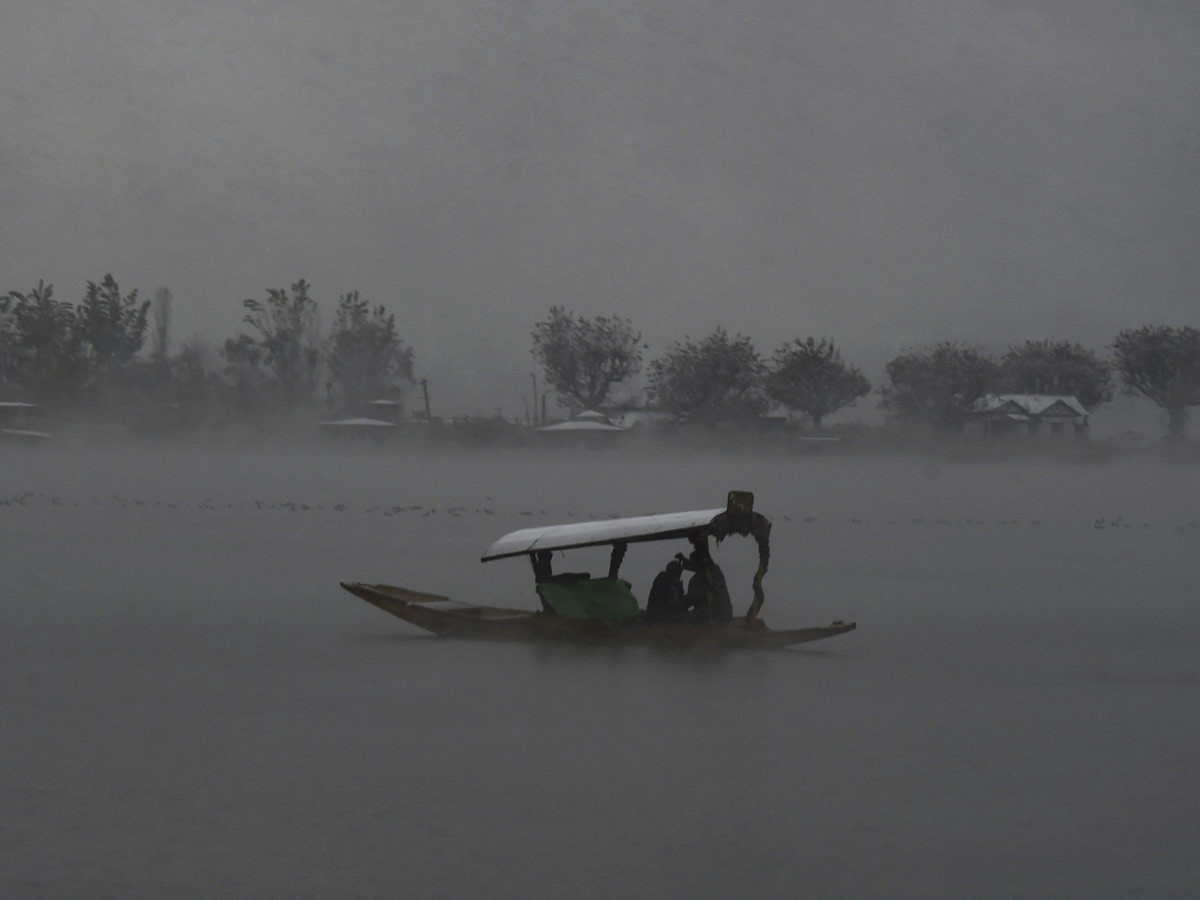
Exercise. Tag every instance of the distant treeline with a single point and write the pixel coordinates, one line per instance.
(91, 353)
(94, 354)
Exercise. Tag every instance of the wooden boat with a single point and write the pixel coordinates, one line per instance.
(577, 607)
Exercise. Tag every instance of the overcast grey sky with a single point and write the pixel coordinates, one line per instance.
(878, 172)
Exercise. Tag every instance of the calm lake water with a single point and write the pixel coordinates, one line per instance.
(194, 708)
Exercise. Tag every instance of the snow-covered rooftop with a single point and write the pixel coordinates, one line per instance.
(1032, 404)
(358, 423)
(577, 425)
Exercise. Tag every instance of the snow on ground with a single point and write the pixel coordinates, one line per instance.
(194, 708)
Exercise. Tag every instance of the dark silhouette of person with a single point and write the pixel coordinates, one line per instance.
(707, 597)
(666, 599)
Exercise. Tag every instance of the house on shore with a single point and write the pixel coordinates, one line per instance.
(15, 417)
(359, 428)
(629, 417)
(1041, 416)
(590, 427)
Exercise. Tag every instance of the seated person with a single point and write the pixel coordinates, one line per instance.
(707, 598)
(666, 599)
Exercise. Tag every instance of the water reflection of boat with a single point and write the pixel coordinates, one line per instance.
(578, 607)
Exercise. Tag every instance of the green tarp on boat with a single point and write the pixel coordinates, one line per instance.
(606, 599)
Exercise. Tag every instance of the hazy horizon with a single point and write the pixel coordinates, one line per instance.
(881, 174)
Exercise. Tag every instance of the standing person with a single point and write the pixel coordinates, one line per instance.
(666, 599)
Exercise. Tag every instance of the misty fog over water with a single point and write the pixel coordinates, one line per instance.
(194, 707)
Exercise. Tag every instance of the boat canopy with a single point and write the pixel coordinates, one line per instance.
(738, 517)
(610, 531)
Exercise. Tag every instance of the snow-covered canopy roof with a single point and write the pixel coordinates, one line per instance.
(589, 534)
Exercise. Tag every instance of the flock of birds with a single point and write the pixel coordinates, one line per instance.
(34, 498)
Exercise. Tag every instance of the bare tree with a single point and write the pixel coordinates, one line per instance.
(161, 312)
(365, 355)
(1061, 367)
(1162, 364)
(189, 373)
(288, 330)
(112, 326)
(711, 380)
(244, 376)
(811, 376)
(584, 359)
(937, 387)
(39, 342)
